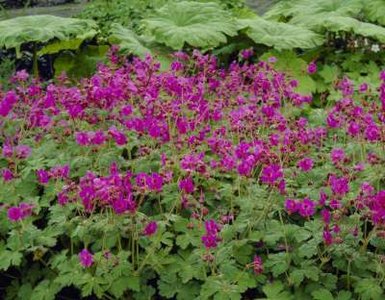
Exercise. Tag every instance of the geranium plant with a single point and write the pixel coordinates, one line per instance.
(193, 183)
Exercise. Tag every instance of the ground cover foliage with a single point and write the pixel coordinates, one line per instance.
(198, 182)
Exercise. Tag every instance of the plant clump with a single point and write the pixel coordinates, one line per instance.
(197, 181)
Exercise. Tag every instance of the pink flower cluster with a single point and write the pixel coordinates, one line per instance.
(20, 212)
(305, 208)
(200, 131)
(20, 151)
(211, 238)
(57, 172)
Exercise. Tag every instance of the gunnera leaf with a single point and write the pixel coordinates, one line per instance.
(201, 25)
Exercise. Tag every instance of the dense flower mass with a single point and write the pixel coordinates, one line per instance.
(243, 174)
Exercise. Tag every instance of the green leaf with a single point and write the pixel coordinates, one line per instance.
(58, 46)
(368, 289)
(129, 41)
(202, 25)
(91, 284)
(220, 289)
(375, 11)
(297, 276)
(303, 9)
(280, 36)
(329, 73)
(344, 295)
(322, 294)
(45, 290)
(9, 258)
(80, 64)
(42, 29)
(275, 291)
(295, 67)
(309, 249)
(120, 285)
(278, 263)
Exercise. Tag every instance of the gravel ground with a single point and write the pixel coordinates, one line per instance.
(64, 10)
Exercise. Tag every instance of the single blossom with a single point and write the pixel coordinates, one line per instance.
(150, 228)
(339, 185)
(187, 185)
(15, 214)
(291, 206)
(258, 265)
(337, 155)
(312, 68)
(271, 174)
(42, 176)
(305, 164)
(86, 258)
(7, 175)
(306, 208)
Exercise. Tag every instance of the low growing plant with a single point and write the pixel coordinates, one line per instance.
(193, 183)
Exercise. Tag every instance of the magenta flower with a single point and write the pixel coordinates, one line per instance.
(211, 227)
(150, 228)
(353, 128)
(327, 237)
(291, 206)
(18, 213)
(325, 216)
(306, 208)
(21, 76)
(126, 110)
(82, 138)
(86, 258)
(42, 176)
(312, 68)
(23, 151)
(8, 102)
(210, 241)
(271, 174)
(15, 214)
(122, 205)
(246, 166)
(155, 182)
(118, 136)
(337, 155)
(258, 265)
(339, 186)
(26, 209)
(372, 133)
(367, 188)
(98, 138)
(363, 88)
(7, 151)
(62, 198)
(247, 53)
(335, 204)
(7, 175)
(60, 172)
(305, 164)
(322, 198)
(187, 185)
(211, 238)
